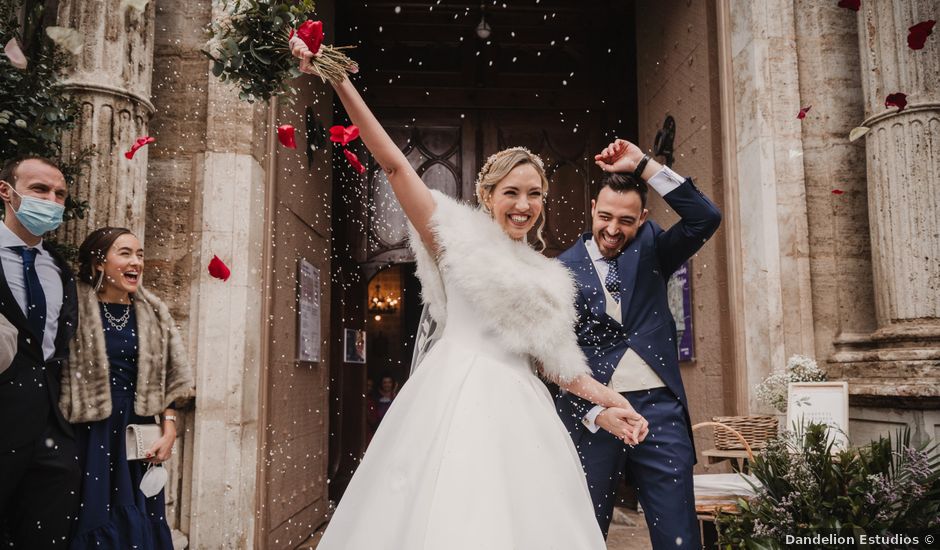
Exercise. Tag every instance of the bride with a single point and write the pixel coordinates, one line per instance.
(471, 454)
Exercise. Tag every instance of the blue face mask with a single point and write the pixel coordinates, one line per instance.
(38, 216)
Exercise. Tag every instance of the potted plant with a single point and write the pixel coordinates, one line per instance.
(878, 495)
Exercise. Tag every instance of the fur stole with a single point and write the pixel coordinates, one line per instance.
(527, 298)
(163, 372)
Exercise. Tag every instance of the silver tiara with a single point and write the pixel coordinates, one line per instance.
(489, 163)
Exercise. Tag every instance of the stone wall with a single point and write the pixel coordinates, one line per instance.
(175, 168)
(292, 500)
(776, 289)
(848, 277)
(677, 75)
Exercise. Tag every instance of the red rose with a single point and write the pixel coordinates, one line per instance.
(218, 269)
(285, 134)
(141, 141)
(311, 32)
(354, 161)
(803, 111)
(896, 99)
(917, 35)
(850, 4)
(343, 134)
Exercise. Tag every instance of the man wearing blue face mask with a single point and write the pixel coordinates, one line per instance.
(38, 459)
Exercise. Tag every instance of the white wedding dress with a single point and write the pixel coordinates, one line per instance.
(471, 455)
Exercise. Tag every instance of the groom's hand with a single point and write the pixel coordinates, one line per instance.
(625, 424)
(619, 156)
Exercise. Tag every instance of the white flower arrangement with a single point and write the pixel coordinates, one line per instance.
(800, 368)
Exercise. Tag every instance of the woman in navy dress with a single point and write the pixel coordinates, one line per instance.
(127, 366)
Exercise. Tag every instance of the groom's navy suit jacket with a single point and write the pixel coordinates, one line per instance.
(647, 325)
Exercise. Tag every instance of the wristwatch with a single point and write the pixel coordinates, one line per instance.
(638, 173)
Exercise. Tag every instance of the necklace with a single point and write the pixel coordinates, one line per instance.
(118, 323)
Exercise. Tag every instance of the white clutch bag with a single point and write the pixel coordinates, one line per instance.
(140, 438)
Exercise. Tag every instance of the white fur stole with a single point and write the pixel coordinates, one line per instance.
(528, 298)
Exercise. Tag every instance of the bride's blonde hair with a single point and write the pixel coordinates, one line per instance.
(498, 166)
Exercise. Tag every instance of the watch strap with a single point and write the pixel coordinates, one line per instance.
(638, 173)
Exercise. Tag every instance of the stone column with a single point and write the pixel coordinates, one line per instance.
(900, 362)
(839, 240)
(110, 79)
(229, 194)
(769, 204)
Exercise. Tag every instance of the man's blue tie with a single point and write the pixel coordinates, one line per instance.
(612, 281)
(35, 297)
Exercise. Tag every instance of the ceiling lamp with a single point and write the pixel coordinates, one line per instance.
(483, 28)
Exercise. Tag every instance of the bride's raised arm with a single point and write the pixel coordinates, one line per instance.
(413, 195)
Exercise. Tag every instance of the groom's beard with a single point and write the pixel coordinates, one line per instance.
(610, 250)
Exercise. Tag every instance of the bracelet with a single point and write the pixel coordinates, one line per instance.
(170, 417)
(638, 173)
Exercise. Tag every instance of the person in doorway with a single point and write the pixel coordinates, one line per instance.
(40, 475)
(472, 440)
(379, 401)
(628, 334)
(127, 366)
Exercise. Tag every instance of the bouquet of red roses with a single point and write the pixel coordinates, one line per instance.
(248, 46)
(330, 63)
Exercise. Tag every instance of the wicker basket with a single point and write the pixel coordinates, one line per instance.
(755, 429)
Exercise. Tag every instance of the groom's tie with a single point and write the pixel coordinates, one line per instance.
(612, 281)
(35, 297)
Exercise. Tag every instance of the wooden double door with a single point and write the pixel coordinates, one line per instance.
(448, 149)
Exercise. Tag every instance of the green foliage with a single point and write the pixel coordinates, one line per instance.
(885, 487)
(34, 112)
(249, 46)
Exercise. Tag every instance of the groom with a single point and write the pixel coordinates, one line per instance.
(629, 337)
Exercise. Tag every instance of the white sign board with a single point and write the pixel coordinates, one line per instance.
(820, 403)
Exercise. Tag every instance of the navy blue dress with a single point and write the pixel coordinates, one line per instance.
(114, 513)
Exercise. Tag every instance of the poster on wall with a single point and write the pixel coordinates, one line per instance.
(308, 312)
(354, 345)
(679, 292)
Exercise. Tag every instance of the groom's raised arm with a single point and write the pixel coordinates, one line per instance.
(699, 219)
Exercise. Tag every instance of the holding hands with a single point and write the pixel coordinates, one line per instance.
(624, 423)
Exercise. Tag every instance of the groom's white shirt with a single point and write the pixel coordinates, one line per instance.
(632, 372)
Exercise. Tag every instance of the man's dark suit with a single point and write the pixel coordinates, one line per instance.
(661, 466)
(40, 478)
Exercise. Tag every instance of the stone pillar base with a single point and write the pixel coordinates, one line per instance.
(897, 366)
